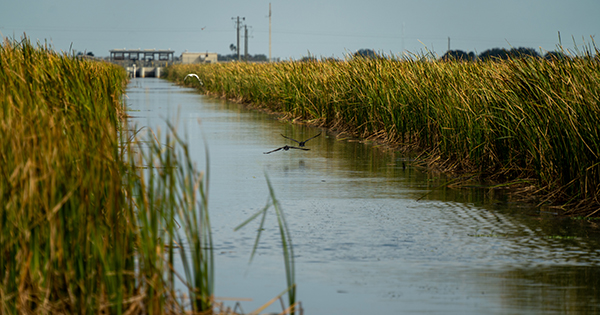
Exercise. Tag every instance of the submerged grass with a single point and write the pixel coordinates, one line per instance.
(508, 121)
(90, 216)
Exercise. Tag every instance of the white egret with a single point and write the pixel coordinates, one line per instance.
(193, 75)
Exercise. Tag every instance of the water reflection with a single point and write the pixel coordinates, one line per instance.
(369, 233)
(538, 288)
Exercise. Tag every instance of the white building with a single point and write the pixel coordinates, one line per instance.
(192, 57)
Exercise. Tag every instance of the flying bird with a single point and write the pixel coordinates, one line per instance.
(193, 75)
(286, 148)
(301, 143)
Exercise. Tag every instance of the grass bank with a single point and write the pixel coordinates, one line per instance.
(90, 218)
(516, 121)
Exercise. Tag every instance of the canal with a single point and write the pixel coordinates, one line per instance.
(370, 235)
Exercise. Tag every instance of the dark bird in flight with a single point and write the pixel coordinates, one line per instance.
(301, 143)
(286, 148)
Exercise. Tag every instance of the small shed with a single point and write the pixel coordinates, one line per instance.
(196, 57)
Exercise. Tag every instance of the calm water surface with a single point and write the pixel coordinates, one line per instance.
(370, 235)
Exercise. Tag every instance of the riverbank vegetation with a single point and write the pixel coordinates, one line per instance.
(530, 123)
(91, 219)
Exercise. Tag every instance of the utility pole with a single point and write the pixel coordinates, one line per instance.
(448, 43)
(270, 60)
(246, 42)
(237, 27)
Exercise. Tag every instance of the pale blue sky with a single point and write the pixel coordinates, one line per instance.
(322, 27)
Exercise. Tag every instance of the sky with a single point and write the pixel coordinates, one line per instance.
(321, 28)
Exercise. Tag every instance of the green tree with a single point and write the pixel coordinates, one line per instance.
(458, 55)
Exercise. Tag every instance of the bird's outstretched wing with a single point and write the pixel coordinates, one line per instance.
(290, 138)
(312, 137)
(285, 148)
(305, 149)
(193, 75)
(273, 150)
(301, 143)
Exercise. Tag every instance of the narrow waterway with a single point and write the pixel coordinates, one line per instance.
(370, 235)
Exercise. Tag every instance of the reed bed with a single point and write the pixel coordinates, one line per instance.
(525, 120)
(91, 218)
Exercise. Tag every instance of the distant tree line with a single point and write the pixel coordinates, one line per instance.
(500, 54)
(313, 58)
(89, 54)
(364, 53)
(251, 58)
(460, 55)
(490, 54)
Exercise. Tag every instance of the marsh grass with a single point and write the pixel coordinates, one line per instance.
(517, 121)
(91, 214)
(170, 198)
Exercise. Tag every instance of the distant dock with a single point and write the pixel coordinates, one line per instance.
(142, 63)
(144, 72)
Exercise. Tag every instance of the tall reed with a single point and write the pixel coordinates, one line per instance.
(522, 118)
(286, 244)
(89, 215)
(170, 198)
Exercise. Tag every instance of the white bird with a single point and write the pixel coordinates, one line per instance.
(193, 75)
